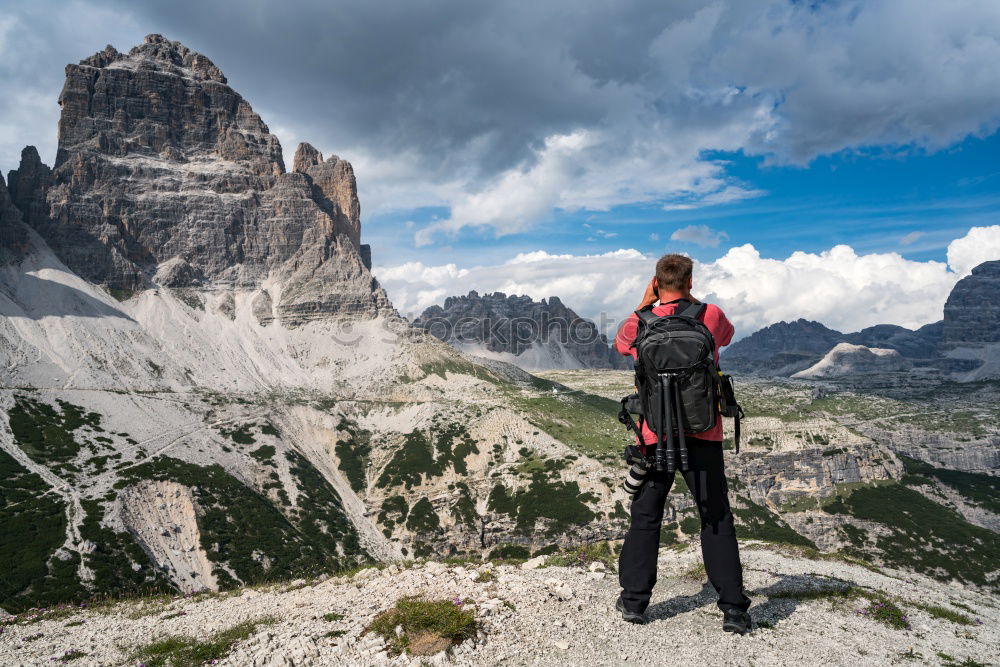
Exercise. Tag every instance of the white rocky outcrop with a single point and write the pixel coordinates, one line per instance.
(162, 517)
(848, 359)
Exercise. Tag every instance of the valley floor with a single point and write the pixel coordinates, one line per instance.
(551, 615)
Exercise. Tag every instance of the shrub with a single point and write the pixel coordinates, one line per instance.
(885, 611)
(429, 626)
(177, 650)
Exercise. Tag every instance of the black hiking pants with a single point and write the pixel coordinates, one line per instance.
(707, 481)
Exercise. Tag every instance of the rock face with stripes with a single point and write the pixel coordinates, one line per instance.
(535, 335)
(972, 311)
(160, 161)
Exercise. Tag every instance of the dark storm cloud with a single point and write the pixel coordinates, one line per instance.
(435, 77)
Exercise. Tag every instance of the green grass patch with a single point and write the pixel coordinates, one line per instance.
(178, 650)
(426, 625)
(332, 617)
(585, 422)
(887, 612)
(584, 555)
(937, 611)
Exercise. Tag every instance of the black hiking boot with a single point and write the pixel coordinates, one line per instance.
(630, 616)
(736, 620)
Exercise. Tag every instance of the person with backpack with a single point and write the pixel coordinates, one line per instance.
(676, 347)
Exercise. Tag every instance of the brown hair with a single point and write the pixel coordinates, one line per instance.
(673, 272)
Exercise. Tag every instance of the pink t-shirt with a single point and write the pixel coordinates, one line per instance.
(722, 330)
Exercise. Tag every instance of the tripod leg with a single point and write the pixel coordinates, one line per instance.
(668, 393)
(682, 442)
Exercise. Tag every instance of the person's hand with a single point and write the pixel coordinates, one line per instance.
(650, 296)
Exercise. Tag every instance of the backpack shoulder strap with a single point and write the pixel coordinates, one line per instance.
(646, 315)
(692, 310)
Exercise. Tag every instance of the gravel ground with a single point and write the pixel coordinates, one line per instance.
(549, 615)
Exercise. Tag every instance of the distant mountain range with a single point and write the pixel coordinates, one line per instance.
(965, 344)
(535, 335)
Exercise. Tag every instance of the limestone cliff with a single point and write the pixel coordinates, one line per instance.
(535, 335)
(159, 160)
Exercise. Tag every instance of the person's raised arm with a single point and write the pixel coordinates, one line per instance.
(651, 295)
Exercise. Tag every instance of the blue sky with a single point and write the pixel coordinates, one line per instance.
(911, 201)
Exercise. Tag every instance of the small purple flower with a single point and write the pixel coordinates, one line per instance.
(458, 601)
(979, 621)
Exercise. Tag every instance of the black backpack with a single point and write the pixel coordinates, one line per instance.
(679, 387)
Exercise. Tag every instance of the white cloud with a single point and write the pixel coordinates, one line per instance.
(837, 287)
(979, 245)
(701, 235)
(790, 81)
(654, 237)
(911, 238)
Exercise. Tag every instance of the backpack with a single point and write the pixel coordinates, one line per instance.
(679, 387)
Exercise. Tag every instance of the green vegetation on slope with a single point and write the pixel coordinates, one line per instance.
(420, 456)
(32, 528)
(464, 509)
(557, 502)
(50, 436)
(320, 515)
(394, 510)
(352, 453)
(113, 558)
(978, 489)
(922, 535)
(585, 422)
(241, 529)
(756, 522)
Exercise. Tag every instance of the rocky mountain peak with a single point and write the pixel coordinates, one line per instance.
(972, 311)
(162, 52)
(13, 237)
(165, 173)
(532, 334)
(162, 100)
(306, 156)
(334, 188)
(784, 347)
